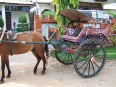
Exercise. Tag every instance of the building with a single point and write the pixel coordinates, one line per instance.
(10, 10)
(111, 6)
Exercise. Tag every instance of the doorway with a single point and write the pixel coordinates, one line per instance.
(8, 21)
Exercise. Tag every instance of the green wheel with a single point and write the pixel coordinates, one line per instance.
(89, 58)
(65, 55)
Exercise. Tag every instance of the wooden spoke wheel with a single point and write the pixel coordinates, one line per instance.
(89, 58)
(65, 54)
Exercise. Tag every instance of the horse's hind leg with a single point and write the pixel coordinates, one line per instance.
(40, 55)
(8, 68)
(44, 67)
(38, 60)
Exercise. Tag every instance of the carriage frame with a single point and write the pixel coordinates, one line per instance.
(86, 50)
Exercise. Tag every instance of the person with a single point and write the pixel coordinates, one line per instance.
(70, 30)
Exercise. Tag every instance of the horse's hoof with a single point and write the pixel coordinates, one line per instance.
(43, 72)
(35, 72)
(1, 81)
(8, 76)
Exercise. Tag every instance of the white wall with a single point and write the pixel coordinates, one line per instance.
(15, 16)
(46, 6)
(41, 7)
(45, 29)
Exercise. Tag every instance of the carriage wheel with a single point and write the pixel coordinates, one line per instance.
(65, 56)
(89, 58)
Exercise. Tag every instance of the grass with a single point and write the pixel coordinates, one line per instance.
(111, 52)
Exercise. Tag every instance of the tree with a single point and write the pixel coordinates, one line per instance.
(113, 13)
(1, 22)
(60, 5)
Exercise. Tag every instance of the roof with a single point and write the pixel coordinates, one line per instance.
(17, 2)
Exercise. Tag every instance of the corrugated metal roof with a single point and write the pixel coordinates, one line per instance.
(16, 2)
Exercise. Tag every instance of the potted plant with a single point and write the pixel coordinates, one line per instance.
(22, 26)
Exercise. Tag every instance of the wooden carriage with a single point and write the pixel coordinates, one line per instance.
(86, 50)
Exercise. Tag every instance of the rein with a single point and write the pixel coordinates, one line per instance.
(9, 44)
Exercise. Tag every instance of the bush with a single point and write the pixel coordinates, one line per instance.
(23, 26)
(1, 22)
(22, 19)
(22, 29)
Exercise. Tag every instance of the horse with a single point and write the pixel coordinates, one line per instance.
(38, 51)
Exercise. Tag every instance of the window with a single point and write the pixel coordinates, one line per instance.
(17, 8)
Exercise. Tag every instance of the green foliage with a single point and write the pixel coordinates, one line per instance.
(22, 27)
(60, 5)
(22, 19)
(114, 27)
(47, 13)
(111, 53)
(1, 22)
(113, 13)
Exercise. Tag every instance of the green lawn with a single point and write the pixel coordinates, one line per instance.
(111, 52)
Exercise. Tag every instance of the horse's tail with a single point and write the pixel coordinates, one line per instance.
(46, 49)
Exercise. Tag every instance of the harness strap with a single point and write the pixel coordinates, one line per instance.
(9, 44)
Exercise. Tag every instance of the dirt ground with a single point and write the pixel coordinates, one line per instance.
(57, 74)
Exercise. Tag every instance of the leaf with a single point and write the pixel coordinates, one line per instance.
(64, 4)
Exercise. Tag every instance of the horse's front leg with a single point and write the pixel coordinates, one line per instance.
(8, 68)
(3, 71)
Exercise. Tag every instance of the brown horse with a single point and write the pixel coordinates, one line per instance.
(18, 48)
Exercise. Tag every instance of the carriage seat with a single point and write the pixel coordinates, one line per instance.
(88, 31)
(75, 38)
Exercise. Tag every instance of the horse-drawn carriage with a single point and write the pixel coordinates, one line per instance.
(85, 50)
